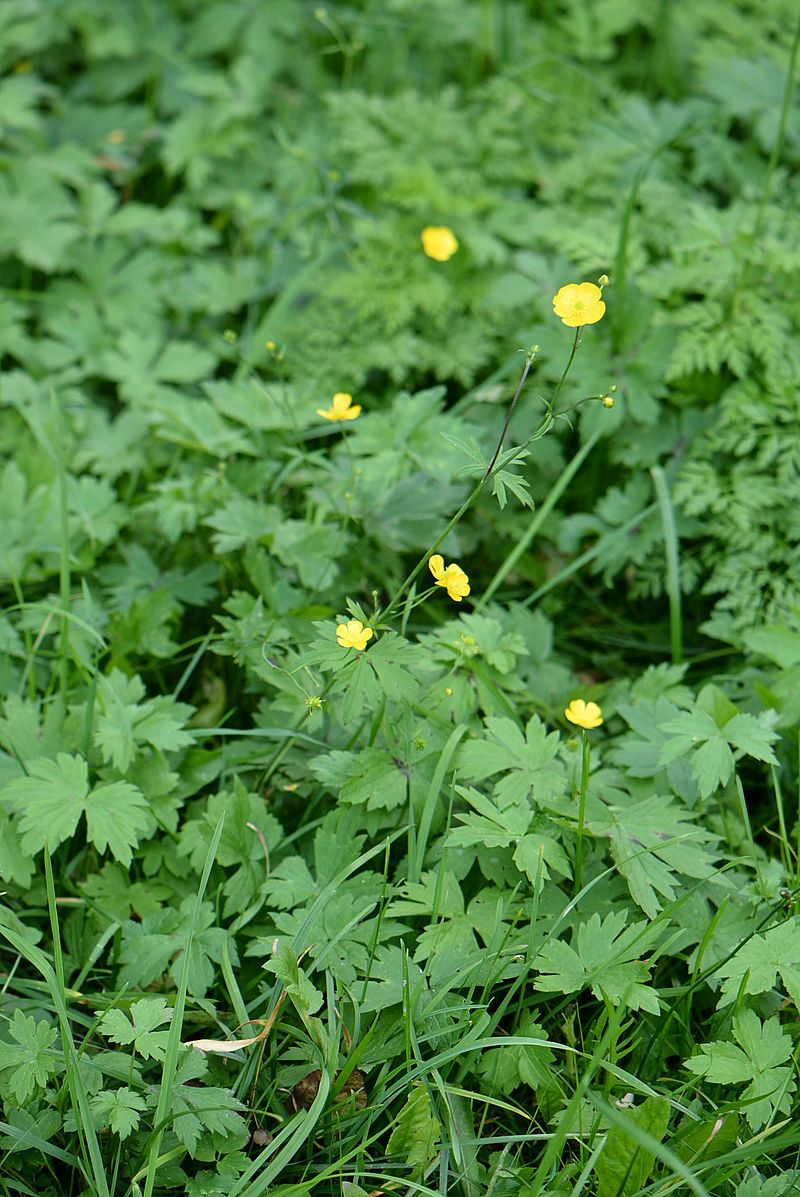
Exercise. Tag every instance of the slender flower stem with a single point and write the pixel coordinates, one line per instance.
(509, 414)
(571, 359)
(581, 812)
(544, 427)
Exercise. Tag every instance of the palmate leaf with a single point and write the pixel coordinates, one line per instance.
(158, 943)
(27, 1061)
(203, 1110)
(54, 796)
(760, 1058)
(711, 741)
(125, 723)
(120, 1109)
(141, 1029)
(604, 957)
(652, 843)
(757, 965)
(528, 762)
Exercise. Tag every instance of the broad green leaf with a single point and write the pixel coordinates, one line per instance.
(120, 1109)
(758, 963)
(624, 1165)
(141, 1029)
(28, 1061)
(761, 1058)
(416, 1135)
(529, 762)
(605, 957)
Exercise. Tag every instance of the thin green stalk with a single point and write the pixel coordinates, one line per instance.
(672, 582)
(774, 159)
(468, 502)
(585, 757)
(539, 517)
(575, 343)
(93, 1165)
(780, 137)
(169, 1069)
(509, 413)
(64, 579)
(578, 563)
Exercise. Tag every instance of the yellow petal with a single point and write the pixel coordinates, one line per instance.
(436, 566)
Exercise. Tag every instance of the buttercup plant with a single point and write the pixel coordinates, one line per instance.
(587, 716)
(453, 578)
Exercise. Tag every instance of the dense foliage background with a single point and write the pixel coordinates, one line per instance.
(473, 948)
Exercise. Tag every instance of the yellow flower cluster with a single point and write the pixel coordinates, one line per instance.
(584, 714)
(453, 578)
(341, 408)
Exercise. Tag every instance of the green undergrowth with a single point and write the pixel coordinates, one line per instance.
(281, 915)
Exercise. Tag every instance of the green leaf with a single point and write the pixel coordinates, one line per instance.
(604, 957)
(125, 723)
(117, 814)
(157, 943)
(755, 967)
(624, 1165)
(416, 1135)
(760, 1059)
(706, 1140)
(120, 1109)
(750, 735)
(529, 762)
(653, 842)
(376, 781)
(283, 963)
(204, 1110)
(140, 1029)
(51, 799)
(27, 1062)
(710, 739)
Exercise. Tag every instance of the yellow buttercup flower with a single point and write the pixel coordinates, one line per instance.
(439, 242)
(585, 714)
(353, 634)
(341, 408)
(607, 400)
(453, 578)
(578, 304)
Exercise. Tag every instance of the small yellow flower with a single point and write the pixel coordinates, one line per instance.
(353, 634)
(585, 714)
(578, 304)
(439, 242)
(341, 408)
(453, 578)
(607, 401)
